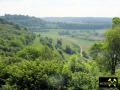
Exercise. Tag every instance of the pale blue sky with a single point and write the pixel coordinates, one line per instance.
(61, 8)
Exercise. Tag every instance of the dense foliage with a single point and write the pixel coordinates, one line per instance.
(30, 61)
(13, 38)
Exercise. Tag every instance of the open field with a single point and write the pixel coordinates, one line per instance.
(75, 38)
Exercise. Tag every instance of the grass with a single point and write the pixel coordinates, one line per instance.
(36, 42)
(82, 38)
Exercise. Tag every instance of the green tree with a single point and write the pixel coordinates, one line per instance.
(59, 44)
(113, 44)
(96, 50)
(115, 22)
(30, 53)
(35, 75)
(69, 50)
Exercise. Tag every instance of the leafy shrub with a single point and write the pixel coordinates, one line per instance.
(35, 75)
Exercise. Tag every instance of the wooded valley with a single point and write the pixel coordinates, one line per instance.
(58, 53)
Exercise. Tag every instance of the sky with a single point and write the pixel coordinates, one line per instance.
(61, 8)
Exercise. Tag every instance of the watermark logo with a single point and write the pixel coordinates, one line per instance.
(108, 82)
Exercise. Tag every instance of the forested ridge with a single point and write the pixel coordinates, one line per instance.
(38, 24)
(30, 61)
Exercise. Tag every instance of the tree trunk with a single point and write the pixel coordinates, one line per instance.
(114, 59)
(113, 68)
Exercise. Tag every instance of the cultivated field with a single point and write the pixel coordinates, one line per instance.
(75, 38)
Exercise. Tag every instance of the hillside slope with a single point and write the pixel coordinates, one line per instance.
(42, 24)
(33, 23)
(13, 38)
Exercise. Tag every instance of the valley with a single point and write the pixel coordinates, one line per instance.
(58, 55)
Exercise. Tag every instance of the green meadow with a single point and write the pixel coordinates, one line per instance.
(75, 38)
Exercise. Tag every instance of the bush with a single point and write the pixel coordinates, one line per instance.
(30, 53)
(35, 75)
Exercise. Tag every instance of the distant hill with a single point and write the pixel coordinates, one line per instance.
(80, 19)
(74, 23)
(33, 23)
(81, 22)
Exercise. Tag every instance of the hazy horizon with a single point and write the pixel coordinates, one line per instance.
(61, 8)
(57, 16)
